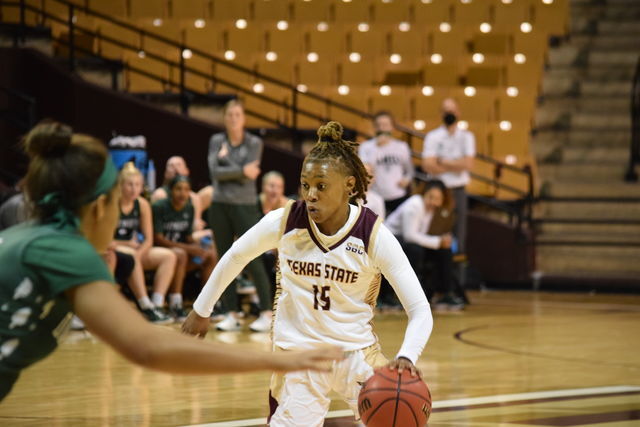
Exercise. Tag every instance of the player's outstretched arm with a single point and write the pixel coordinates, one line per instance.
(112, 319)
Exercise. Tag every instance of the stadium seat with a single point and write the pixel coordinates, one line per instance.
(353, 12)
(148, 9)
(112, 8)
(225, 10)
(188, 9)
(271, 11)
(441, 75)
(428, 16)
(139, 82)
(206, 39)
(391, 13)
(310, 12)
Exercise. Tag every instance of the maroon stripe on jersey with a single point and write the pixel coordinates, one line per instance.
(298, 217)
(362, 229)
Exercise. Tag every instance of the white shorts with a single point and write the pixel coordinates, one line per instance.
(301, 398)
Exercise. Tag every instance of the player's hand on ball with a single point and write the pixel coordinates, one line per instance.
(195, 325)
(402, 363)
(318, 359)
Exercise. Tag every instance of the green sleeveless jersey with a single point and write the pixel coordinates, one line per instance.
(172, 224)
(38, 263)
(128, 224)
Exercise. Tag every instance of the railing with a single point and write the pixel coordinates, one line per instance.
(524, 200)
(634, 155)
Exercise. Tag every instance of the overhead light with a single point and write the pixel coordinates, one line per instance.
(322, 26)
(199, 23)
(241, 24)
(385, 90)
(187, 54)
(343, 90)
(312, 57)
(427, 1)
(229, 55)
(404, 26)
(395, 58)
(519, 58)
(512, 91)
(445, 27)
(271, 56)
(470, 91)
(507, 1)
(419, 125)
(463, 124)
(363, 27)
(505, 125)
(465, 1)
(427, 90)
(157, 22)
(547, 1)
(302, 88)
(526, 27)
(258, 88)
(485, 27)
(436, 58)
(354, 57)
(282, 25)
(477, 58)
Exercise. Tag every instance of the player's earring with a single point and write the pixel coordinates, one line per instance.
(352, 193)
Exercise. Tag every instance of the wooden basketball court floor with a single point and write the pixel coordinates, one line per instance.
(510, 359)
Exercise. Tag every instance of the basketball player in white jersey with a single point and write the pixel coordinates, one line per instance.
(331, 254)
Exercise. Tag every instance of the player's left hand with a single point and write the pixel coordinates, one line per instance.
(401, 364)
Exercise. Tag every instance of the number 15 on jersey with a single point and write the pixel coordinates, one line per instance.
(321, 299)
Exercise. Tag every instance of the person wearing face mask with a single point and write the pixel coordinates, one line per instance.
(390, 161)
(447, 155)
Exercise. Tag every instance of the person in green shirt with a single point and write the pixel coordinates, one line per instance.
(172, 228)
(51, 267)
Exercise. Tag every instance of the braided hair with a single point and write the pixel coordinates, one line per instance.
(331, 146)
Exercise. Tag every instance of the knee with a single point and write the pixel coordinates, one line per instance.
(181, 256)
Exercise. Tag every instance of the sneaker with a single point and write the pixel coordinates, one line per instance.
(449, 303)
(77, 324)
(229, 324)
(178, 313)
(157, 316)
(245, 286)
(261, 324)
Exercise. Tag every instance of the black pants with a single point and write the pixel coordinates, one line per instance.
(441, 262)
(391, 205)
(124, 268)
(228, 221)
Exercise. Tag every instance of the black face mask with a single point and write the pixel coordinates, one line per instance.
(449, 118)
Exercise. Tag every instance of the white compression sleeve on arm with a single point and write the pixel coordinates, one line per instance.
(393, 263)
(257, 240)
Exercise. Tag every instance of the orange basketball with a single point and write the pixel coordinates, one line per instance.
(388, 399)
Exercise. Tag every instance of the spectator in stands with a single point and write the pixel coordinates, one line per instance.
(375, 202)
(448, 156)
(271, 198)
(172, 227)
(234, 165)
(176, 165)
(423, 225)
(272, 195)
(13, 211)
(134, 236)
(390, 160)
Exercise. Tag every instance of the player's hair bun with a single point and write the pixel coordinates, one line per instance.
(331, 132)
(48, 139)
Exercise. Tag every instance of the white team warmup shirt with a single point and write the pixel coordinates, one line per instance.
(391, 162)
(440, 143)
(328, 285)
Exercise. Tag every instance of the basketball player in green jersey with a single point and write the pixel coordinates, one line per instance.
(51, 267)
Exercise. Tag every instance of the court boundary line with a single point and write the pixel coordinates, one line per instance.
(468, 402)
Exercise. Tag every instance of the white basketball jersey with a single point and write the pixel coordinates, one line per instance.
(325, 294)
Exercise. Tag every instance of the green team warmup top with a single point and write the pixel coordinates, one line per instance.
(172, 224)
(38, 263)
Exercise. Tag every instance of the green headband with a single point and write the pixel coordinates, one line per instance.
(53, 203)
(106, 181)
